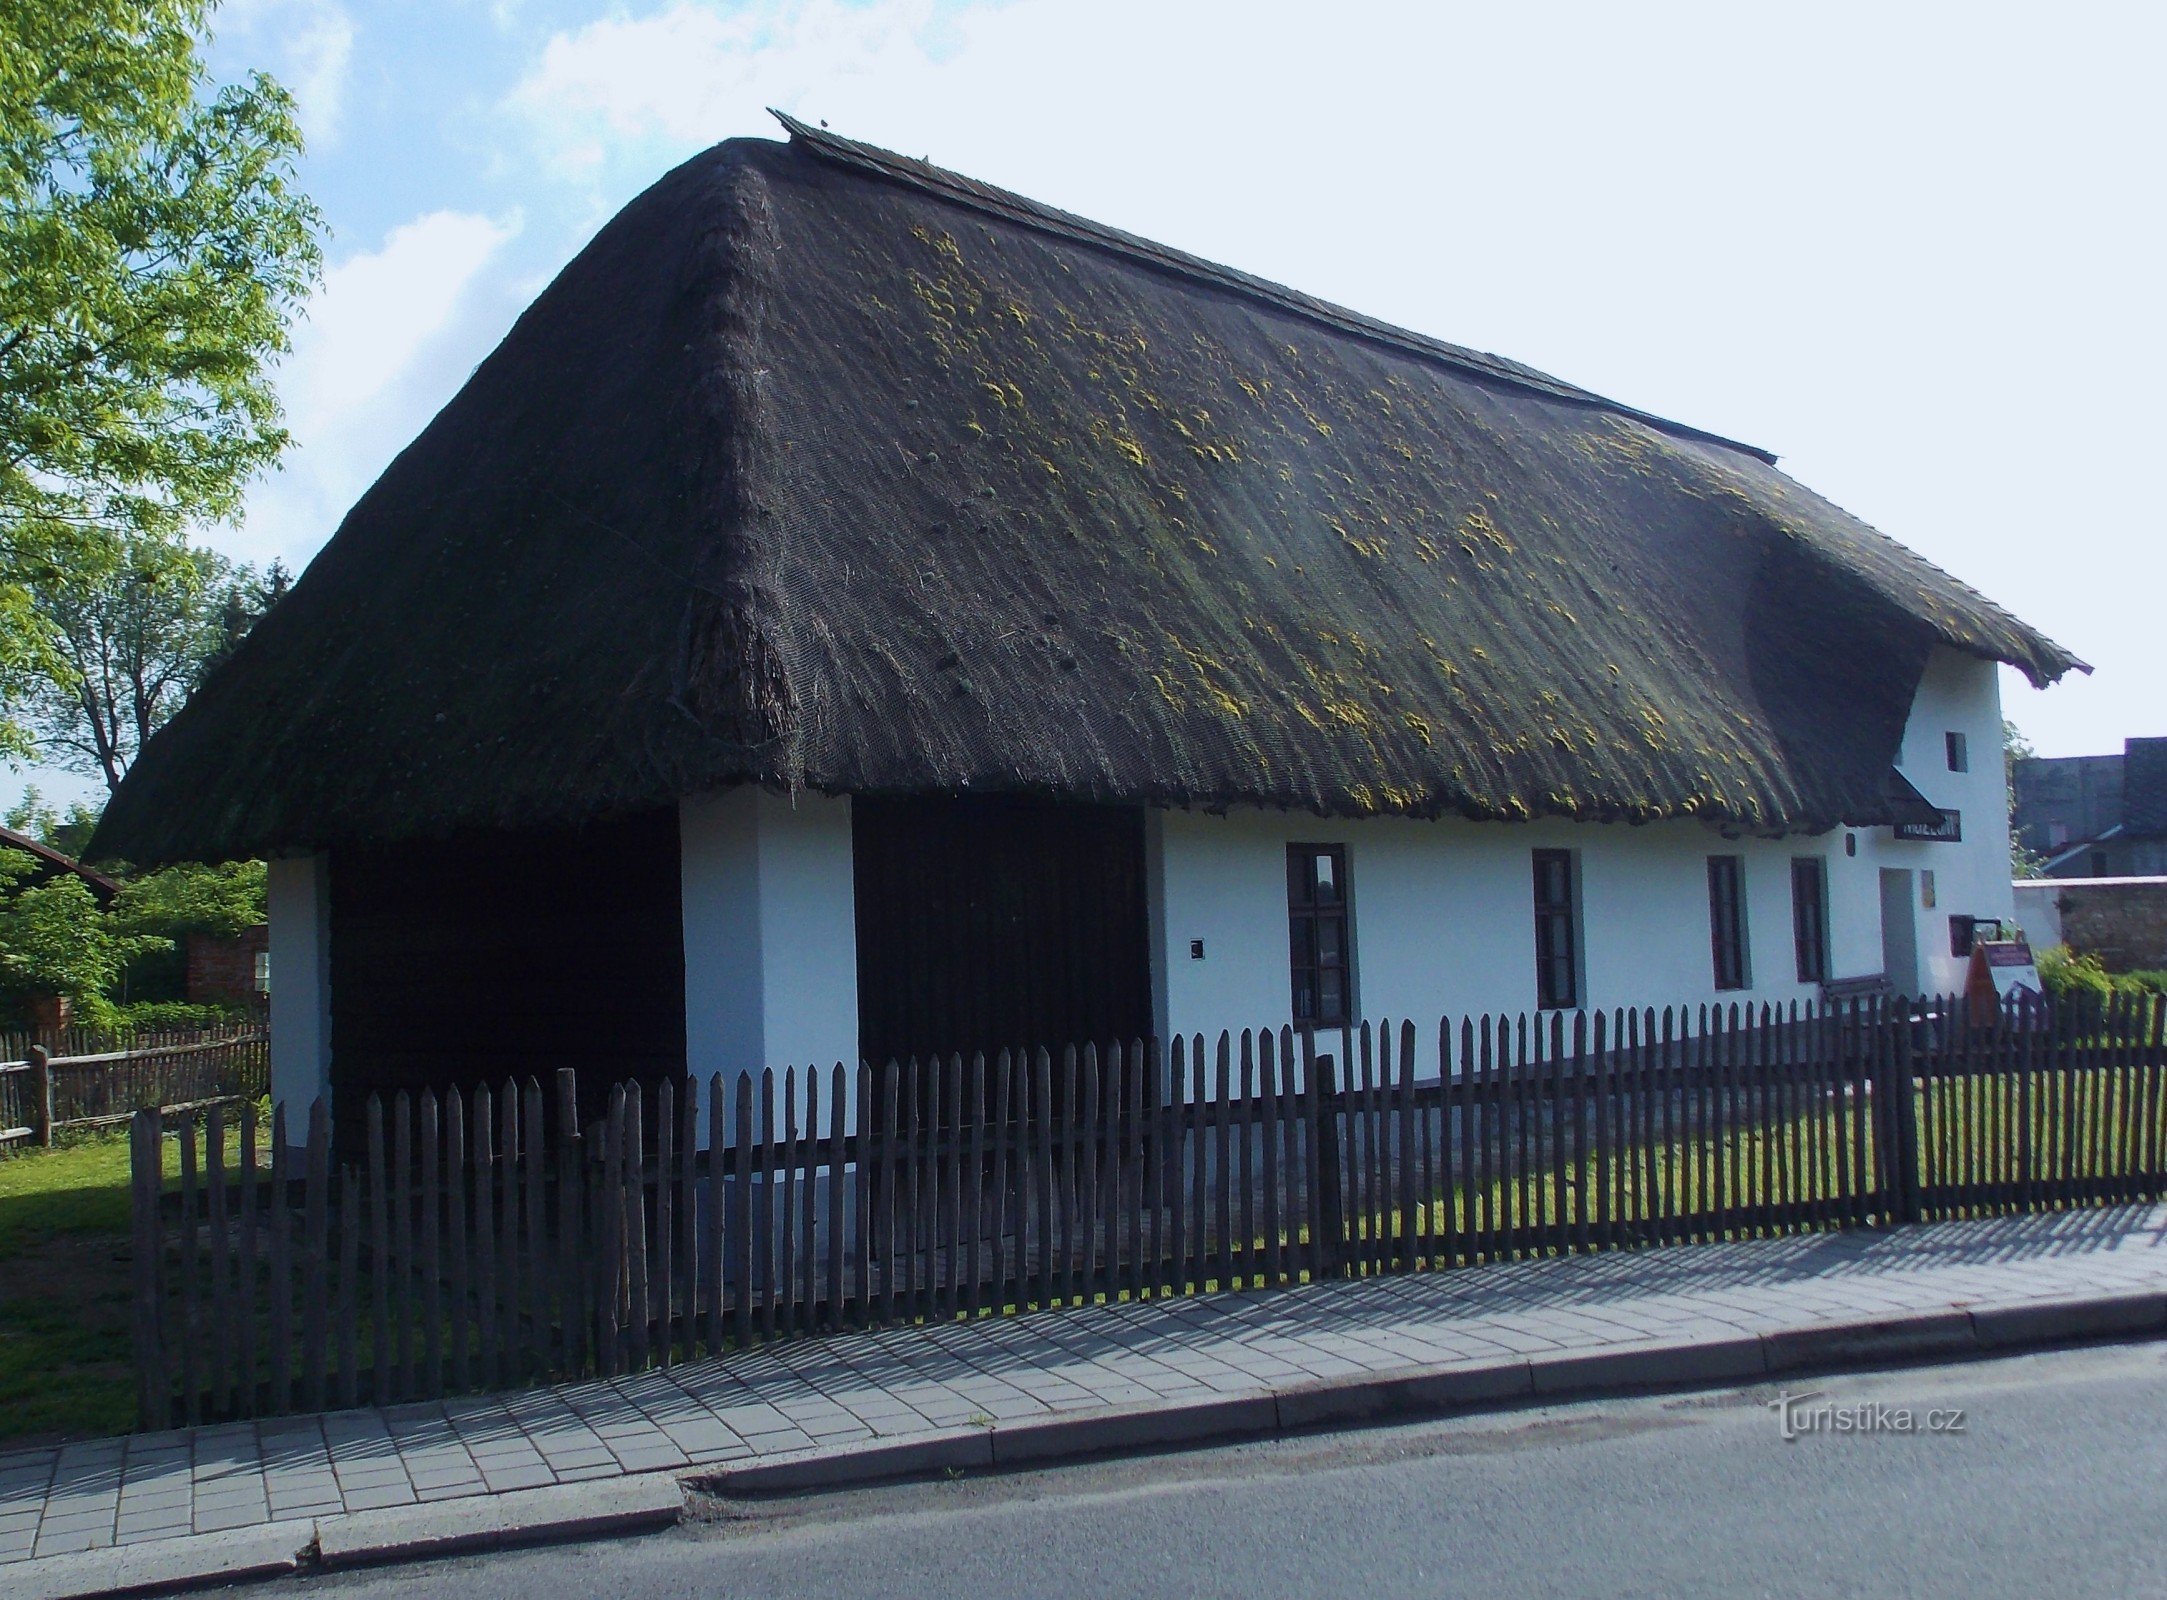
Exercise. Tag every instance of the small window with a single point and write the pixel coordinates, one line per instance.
(2057, 835)
(1809, 917)
(1959, 756)
(1727, 919)
(263, 972)
(1557, 932)
(1322, 956)
(2099, 863)
(1963, 934)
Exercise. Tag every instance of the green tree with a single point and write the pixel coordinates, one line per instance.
(130, 635)
(66, 831)
(2023, 862)
(190, 897)
(56, 939)
(152, 250)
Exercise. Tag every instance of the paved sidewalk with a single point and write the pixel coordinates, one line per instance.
(1144, 1366)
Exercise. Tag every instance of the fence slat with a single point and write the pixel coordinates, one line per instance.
(378, 1209)
(637, 1291)
(915, 1193)
(1222, 1173)
(1068, 1119)
(1007, 1186)
(867, 1165)
(146, 1163)
(187, 1265)
(512, 1257)
(545, 1285)
(1241, 1257)
(482, 1165)
(1361, 1156)
(251, 1197)
(948, 1219)
(1198, 1147)
(677, 1311)
(664, 1287)
(741, 1220)
(609, 1222)
(1272, 1120)
(714, 1262)
(1136, 1178)
(974, 1209)
(404, 1385)
(316, 1240)
(432, 1192)
(1414, 1222)
(221, 1378)
(348, 1315)
(807, 1268)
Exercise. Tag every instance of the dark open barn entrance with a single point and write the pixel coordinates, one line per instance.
(495, 955)
(991, 923)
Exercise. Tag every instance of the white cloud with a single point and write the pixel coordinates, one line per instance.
(376, 310)
(689, 75)
(386, 340)
(308, 45)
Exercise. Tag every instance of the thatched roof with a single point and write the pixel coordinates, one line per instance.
(824, 468)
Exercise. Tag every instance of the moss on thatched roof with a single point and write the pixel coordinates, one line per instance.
(823, 468)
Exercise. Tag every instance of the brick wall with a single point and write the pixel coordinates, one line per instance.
(2122, 921)
(223, 971)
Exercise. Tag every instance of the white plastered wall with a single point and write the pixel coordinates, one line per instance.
(1443, 911)
(298, 901)
(1959, 694)
(770, 924)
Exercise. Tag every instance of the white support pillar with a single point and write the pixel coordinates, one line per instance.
(299, 896)
(771, 944)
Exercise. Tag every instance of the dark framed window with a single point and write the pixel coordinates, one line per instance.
(1809, 917)
(1317, 934)
(1557, 932)
(1959, 754)
(1727, 919)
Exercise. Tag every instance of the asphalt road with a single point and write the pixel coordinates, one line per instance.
(2056, 1485)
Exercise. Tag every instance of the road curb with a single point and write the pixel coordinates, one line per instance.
(522, 1516)
(1461, 1388)
(1919, 1337)
(2053, 1321)
(919, 1455)
(161, 1565)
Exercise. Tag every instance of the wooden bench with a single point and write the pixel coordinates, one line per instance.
(1869, 986)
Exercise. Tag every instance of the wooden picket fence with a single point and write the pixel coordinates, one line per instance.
(486, 1241)
(45, 1092)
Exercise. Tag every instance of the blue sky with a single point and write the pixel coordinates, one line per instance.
(1916, 250)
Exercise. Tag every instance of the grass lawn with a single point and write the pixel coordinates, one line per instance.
(65, 1327)
(67, 1357)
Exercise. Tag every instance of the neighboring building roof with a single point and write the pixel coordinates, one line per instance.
(105, 887)
(2144, 788)
(2095, 799)
(820, 467)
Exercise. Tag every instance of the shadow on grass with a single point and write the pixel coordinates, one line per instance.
(65, 1358)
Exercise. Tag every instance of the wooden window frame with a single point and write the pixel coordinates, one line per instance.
(1557, 930)
(1727, 937)
(1307, 914)
(1809, 917)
